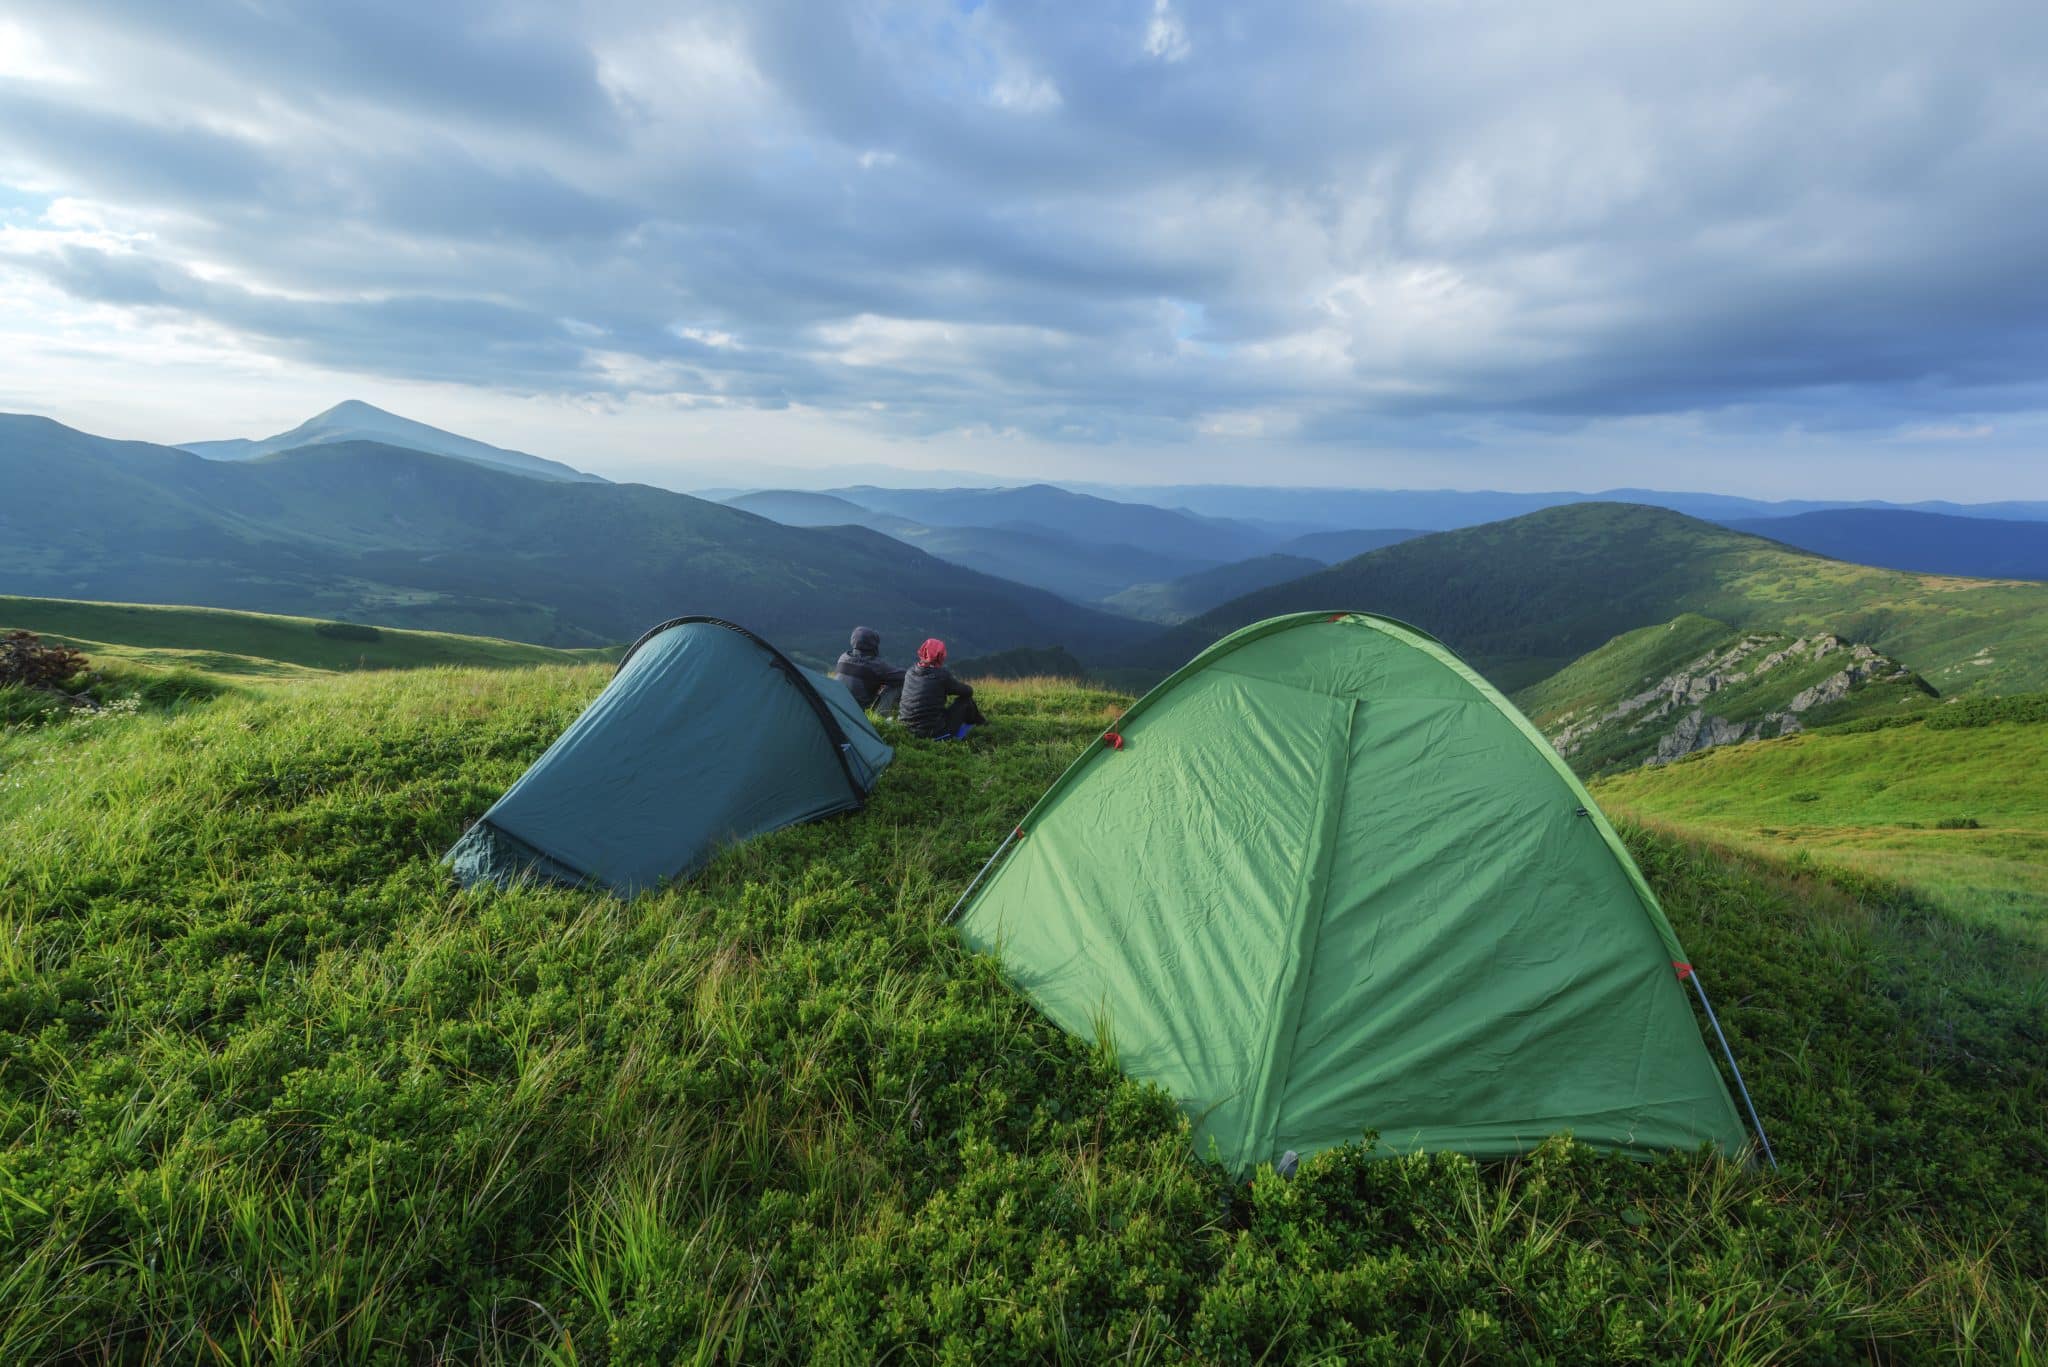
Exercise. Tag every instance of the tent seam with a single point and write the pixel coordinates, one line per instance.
(1291, 993)
(1415, 638)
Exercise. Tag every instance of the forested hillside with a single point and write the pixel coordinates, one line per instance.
(1523, 598)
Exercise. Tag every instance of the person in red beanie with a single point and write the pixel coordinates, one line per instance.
(936, 705)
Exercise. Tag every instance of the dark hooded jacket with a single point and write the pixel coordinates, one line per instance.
(926, 689)
(863, 670)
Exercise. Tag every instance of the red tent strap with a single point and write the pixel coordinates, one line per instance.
(1684, 970)
(1113, 740)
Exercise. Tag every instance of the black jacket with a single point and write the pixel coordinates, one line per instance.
(863, 670)
(925, 691)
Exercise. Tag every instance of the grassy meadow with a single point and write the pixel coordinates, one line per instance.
(273, 1089)
(255, 645)
(1959, 811)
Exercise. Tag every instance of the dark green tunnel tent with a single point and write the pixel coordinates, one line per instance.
(1325, 880)
(706, 735)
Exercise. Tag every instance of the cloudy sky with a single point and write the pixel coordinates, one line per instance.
(1766, 246)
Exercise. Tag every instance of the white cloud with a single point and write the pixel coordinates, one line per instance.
(1165, 36)
(1400, 224)
(715, 338)
(25, 57)
(1022, 93)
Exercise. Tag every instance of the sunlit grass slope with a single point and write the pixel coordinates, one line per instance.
(271, 1088)
(1960, 812)
(255, 644)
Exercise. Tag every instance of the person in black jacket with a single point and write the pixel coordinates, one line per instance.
(936, 705)
(874, 682)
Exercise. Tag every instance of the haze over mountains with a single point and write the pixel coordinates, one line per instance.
(1933, 543)
(1448, 509)
(1028, 551)
(383, 534)
(424, 528)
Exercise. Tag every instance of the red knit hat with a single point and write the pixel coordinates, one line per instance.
(932, 652)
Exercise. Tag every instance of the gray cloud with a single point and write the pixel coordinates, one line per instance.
(1094, 223)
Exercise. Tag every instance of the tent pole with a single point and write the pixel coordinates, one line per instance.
(1734, 1067)
(1014, 833)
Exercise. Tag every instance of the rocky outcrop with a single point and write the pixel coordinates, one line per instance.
(1698, 731)
(1676, 716)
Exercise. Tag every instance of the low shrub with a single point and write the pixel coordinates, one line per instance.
(1989, 711)
(26, 662)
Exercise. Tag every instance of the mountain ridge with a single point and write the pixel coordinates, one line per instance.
(407, 538)
(1523, 598)
(355, 420)
(1452, 509)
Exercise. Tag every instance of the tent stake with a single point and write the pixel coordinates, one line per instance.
(1015, 831)
(1734, 1067)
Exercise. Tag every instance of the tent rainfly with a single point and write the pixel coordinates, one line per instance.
(707, 735)
(1325, 880)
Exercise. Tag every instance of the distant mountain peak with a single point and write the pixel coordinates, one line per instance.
(356, 420)
(357, 408)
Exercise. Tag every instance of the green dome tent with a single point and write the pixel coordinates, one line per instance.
(1325, 879)
(706, 735)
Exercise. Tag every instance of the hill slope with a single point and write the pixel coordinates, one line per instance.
(1176, 600)
(1658, 693)
(1953, 808)
(1523, 598)
(354, 420)
(1335, 547)
(221, 641)
(1079, 571)
(1931, 543)
(404, 538)
(271, 1082)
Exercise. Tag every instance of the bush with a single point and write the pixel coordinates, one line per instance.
(1989, 711)
(26, 662)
